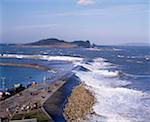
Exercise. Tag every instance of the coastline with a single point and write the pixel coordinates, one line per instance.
(39, 93)
(48, 46)
(28, 65)
(36, 94)
(56, 88)
(55, 103)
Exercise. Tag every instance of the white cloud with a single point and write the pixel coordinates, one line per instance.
(85, 2)
(22, 27)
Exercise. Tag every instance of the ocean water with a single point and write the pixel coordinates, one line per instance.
(118, 76)
(14, 75)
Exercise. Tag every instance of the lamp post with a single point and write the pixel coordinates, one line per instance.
(3, 83)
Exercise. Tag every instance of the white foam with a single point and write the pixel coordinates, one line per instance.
(97, 64)
(137, 76)
(114, 103)
(120, 103)
(139, 62)
(92, 78)
(99, 59)
(62, 58)
(45, 52)
(43, 57)
(107, 73)
(19, 56)
(133, 57)
(147, 57)
(117, 49)
(94, 49)
(120, 56)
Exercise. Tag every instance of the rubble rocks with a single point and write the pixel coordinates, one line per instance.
(79, 104)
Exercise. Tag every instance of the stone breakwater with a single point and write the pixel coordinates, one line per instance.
(28, 65)
(79, 104)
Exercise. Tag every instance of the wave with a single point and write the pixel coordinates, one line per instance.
(97, 64)
(114, 101)
(146, 57)
(118, 104)
(117, 49)
(92, 78)
(120, 56)
(136, 76)
(43, 57)
(94, 49)
(107, 73)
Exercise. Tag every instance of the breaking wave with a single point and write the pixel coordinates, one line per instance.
(43, 57)
(114, 101)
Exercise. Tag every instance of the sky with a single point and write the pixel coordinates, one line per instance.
(100, 21)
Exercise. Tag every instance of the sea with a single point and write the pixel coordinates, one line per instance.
(118, 76)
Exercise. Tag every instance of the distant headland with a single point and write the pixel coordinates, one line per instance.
(54, 43)
(57, 43)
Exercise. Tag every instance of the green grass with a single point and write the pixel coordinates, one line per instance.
(38, 114)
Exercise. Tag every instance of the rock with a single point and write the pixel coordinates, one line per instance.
(79, 104)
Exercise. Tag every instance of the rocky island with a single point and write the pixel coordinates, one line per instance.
(57, 43)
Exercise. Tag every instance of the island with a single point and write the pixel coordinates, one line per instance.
(57, 43)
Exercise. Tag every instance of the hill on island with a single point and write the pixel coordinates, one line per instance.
(56, 43)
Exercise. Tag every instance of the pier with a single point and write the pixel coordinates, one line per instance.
(36, 94)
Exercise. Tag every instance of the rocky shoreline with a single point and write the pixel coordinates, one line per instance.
(79, 104)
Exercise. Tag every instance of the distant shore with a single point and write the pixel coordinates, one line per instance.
(28, 65)
(49, 46)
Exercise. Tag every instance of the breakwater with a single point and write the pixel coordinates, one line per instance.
(28, 65)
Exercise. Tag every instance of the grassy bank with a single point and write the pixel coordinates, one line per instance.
(38, 114)
(79, 104)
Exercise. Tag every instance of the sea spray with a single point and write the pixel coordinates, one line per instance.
(114, 101)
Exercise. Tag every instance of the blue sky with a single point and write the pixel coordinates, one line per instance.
(100, 21)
